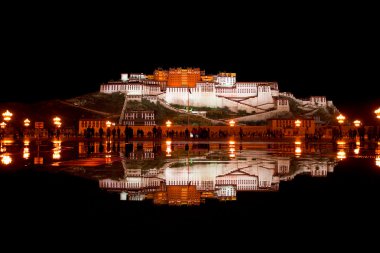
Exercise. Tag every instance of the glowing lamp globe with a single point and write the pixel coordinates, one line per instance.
(340, 118)
(357, 123)
(27, 122)
(377, 112)
(7, 115)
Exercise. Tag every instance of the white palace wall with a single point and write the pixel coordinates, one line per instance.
(206, 96)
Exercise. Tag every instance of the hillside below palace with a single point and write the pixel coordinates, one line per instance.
(192, 87)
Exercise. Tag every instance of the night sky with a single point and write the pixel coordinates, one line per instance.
(71, 51)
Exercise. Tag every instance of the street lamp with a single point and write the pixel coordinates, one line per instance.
(357, 123)
(57, 150)
(26, 152)
(6, 159)
(377, 112)
(108, 123)
(27, 122)
(341, 154)
(340, 118)
(168, 148)
(232, 149)
(297, 123)
(57, 121)
(232, 125)
(3, 124)
(168, 125)
(298, 151)
(7, 116)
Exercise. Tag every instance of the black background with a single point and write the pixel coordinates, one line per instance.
(64, 51)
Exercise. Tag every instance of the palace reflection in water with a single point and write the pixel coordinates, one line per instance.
(188, 175)
(180, 173)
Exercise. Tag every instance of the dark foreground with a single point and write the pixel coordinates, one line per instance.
(342, 208)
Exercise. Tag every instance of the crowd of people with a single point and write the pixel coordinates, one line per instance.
(156, 132)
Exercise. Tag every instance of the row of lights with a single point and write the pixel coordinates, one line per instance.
(57, 121)
(341, 118)
(7, 116)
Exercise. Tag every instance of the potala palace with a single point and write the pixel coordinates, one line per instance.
(209, 177)
(192, 87)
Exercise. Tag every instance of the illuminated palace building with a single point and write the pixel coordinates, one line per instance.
(185, 182)
(191, 86)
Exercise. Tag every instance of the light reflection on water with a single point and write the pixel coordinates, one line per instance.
(212, 170)
(181, 173)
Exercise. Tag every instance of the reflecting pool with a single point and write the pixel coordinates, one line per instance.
(175, 183)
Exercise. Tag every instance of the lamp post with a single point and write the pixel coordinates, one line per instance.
(377, 112)
(7, 116)
(341, 154)
(377, 152)
(357, 124)
(108, 131)
(340, 118)
(168, 125)
(26, 124)
(232, 125)
(297, 124)
(6, 159)
(168, 148)
(57, 122)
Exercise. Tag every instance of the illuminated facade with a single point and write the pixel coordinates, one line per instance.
(318, 100)
(248, 96)
(91, 123)
(190, 86)
(283, 105)
(183, 195)
(141, 88)
(161, 75)
(182, 183)
(307, 126)
(137, 76)
(139, 118)
(183, 77)
(124, 77)
(208, 78)
(226, 79)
